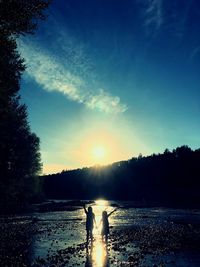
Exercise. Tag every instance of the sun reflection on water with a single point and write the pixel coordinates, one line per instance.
(98, 208)
(101, 202)
(97, 253)
(100, 254)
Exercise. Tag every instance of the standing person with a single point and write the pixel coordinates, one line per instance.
(105, 224)
(90, 220)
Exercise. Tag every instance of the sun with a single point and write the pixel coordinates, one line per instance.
(99, 152)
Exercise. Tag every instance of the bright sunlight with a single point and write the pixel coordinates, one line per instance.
(99, 153)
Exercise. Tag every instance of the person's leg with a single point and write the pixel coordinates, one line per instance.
(106, 238)
(87, 238)
(102, 234)
(91, 235)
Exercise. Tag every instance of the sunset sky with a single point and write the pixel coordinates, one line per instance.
(107, 80)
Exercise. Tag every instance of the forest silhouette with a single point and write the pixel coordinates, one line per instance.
(170, 179)
(20, 161)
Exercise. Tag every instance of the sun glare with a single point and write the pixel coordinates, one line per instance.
(101, 203)
(100, 147)
(99, 152)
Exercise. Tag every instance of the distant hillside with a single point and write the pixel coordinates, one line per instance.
(171, 178)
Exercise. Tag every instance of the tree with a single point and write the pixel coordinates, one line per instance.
(20, 161)
(20, 16)
(163, 179)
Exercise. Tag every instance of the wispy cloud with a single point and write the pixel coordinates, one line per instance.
(52, 73)
(106, 102)
(154, 14)
(195, 52)
(171, 15)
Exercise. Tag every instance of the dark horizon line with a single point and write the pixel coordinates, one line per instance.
(117, 162)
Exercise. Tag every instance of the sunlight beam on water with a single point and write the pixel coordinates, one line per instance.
(99, 207)
(102, 202)
(99, 253)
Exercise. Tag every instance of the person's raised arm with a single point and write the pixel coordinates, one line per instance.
(85, 209)
(112, 212)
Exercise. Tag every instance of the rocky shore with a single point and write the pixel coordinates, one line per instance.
(56, 241)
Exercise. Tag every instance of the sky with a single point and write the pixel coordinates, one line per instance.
(107, 80)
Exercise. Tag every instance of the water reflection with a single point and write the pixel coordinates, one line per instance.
(102, 202)
(99, 207)
(97, 254)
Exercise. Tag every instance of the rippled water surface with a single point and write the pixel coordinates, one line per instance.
(66, 229)
(59, 238)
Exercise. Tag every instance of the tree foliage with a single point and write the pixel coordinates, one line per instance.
(20, 16)
(171, 179)
(19, 148)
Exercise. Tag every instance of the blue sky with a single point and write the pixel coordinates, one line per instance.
(120, 74)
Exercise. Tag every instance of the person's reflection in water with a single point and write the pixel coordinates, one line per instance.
(97, 255)
(88, 262)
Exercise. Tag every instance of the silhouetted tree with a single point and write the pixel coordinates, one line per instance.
(20, 16)
(171, 179)
(19, 147)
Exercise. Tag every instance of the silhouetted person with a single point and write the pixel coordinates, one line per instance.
(90, 220)
(105, 224)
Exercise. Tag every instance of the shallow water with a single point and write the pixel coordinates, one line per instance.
(63, 234)
(65, 229)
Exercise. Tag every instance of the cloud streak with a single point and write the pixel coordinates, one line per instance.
(195, 52)
(52, 74)
(154, 14)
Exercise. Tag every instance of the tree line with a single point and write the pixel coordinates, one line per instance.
(20, 162)
(171, 178)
